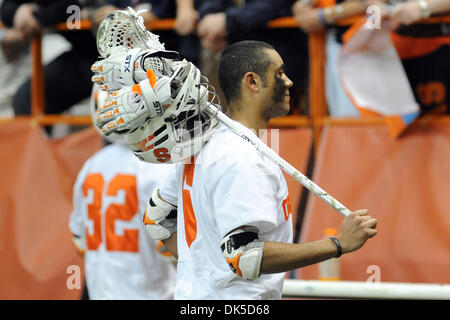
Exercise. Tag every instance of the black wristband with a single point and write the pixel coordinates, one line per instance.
(338, 245)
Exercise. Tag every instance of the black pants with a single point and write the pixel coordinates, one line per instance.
(67, 81)
(84, 293)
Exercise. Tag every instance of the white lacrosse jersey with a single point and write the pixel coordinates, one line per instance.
(230, 185)
(109, 200)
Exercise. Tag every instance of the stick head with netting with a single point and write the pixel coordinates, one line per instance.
(185, 126)
(125, 28)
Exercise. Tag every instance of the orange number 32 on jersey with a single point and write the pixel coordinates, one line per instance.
(126, 212)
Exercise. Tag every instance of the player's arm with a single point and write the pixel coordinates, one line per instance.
(76, 220)
(160, 216)
(160, 220)
(249, 257)
(79, 242)
(356, 229)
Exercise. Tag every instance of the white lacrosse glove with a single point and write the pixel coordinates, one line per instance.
(126, 109)
(160, 217)
(126, 67)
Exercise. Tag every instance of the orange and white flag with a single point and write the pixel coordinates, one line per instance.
(373, 77)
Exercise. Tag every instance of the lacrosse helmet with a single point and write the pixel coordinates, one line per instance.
(97, 100)
(185, 126)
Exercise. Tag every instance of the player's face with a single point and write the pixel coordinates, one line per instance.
(278, 87)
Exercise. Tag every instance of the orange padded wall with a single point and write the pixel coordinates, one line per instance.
(405, 184)
(294, 147)
(36, 201)
(37, 175)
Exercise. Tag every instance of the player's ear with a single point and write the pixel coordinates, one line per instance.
(251, 81)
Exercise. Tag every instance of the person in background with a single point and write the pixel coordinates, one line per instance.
(224, 22)
(109, 198)
(316, 15)
(427, 70)
(15, 65)
(424, 49)
(66, 77)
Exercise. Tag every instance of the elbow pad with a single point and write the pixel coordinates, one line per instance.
(243, 252)
(160, 218)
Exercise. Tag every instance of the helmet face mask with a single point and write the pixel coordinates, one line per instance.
(185, 126)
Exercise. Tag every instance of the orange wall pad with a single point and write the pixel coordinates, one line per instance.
(405, 184)
(35, 203)
(294, 147)
(36, 200)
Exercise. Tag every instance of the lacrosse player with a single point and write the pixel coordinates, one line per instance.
(111, 191)
(234, 223)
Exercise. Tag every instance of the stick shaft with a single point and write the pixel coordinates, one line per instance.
(284, 165)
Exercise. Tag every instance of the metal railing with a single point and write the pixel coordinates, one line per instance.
(318, 114)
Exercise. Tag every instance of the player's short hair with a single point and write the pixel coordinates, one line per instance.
(238, 59)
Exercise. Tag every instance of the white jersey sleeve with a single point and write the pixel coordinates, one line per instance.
(243, 192)
(169, 190)
(76, 222)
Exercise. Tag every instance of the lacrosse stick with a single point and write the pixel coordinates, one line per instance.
(283, 164)
(126, 29)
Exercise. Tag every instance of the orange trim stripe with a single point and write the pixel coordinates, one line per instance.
(151, 77)
(190, 221)
(235, 263)
(189, 173)
(137, 89)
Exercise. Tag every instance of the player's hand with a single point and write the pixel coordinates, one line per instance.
(127, 67)
(356, 229)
